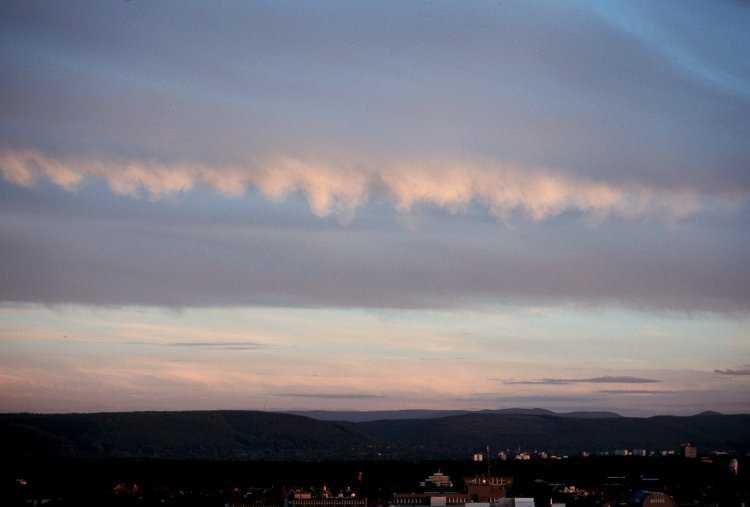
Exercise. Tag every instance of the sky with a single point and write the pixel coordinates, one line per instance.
(288, 205)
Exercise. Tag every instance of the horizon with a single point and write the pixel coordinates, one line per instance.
(306, 412)
(375, 206)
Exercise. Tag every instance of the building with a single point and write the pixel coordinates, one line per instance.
(484, 488)
(342, 501)
(656, 499)
(437, 480)
(515, 502)
(734, 466)
(689, 451)
(437, 499)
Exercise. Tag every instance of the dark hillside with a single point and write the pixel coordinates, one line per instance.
(268, 435)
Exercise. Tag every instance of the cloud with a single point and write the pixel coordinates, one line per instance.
(634, 392)
(737, 372)
(593, 380)
(157, 255)
(395, 125)
(545, 382)
(501, 188)
(540, 398)
(331, 396)
(219, 345)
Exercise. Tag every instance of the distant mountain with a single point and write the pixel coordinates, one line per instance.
(541, 411)
(268, 435)
(383, 415)
(708, 412)
(374, 415)
(590, 415)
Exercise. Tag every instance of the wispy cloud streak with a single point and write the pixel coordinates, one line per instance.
(593, 380)
(331, 396)
(234, 345)
(218, 345)
(635, 392)
(738, 372)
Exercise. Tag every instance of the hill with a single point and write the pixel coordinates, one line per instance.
(267, 435)
(216, 434)
(378, 415)
(454, 436)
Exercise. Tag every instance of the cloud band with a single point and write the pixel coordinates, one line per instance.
(503, 189)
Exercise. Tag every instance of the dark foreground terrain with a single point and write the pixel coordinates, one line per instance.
(278, 436)
(125, 481)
